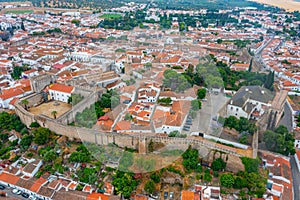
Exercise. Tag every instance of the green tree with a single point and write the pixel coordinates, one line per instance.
(190, 159)
(280, 141)
(41, 135)
(124, 183)
(196, 105)
(75, 99)
(34, 125)
(149, 187)
(227, 180)
(201, 93)
(25, 103)
(126, 161)
(207, 177)
(54, 114)
(218, 164)
(128, 117)
(25, 142)
(239, 183)
(177, 82)
(155, 177)
(166, 101)
(251, 165)
(269, 81)
(50, 156)
(76, 22)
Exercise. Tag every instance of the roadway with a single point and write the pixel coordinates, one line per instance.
(11, 195)
(210, 109)
(296, 178)
(287, 119)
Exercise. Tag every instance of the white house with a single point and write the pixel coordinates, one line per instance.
(30, 73)
(148, 94)
(60, 92)
(169, 119)
(249, 102)
(32, 168)
(8, 95)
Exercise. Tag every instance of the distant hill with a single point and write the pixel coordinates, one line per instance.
(170, 4)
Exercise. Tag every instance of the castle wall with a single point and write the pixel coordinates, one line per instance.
(121, 140)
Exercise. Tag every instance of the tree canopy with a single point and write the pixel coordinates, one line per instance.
(177, 82)
(201, 93)
(124, 183)
(149, 187)
(190, 159)
(218, 164)
(41, 135)
(280, 141)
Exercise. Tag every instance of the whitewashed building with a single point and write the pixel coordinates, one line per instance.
(60, 92)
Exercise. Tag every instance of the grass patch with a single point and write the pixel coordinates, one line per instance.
(19, 12)
(110, 16)
(176, 152)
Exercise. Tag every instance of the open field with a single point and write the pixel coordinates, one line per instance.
(18, 11)
(289, 5)
(110, 16)
(49, 107)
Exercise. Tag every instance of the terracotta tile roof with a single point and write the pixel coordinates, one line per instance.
(140, 197)
(86, 188)
(298, 153)
(53, 184)
(277, 188)
(62, 194)
(9, 178)
(37, 184)
(30, 71)
(9, 93)
(61, 88)
(45, 191)
(13, 101)
(187, 195)
(27, 184)
(72, 186)
(97, 196)
(123, 125)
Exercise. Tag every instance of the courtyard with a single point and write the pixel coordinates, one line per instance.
(47, 108)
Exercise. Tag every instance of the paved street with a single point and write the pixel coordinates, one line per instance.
(210, 108)
(287, 118)
(10, 195)
(296, 178)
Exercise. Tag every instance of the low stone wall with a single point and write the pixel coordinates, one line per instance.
(122, 140)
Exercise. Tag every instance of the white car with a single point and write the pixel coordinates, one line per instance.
(16, 191)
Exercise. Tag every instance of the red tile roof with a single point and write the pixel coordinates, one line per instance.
(37, 185)
(97, 196)
(61, 88)
(9, 93)
(12, 102)
(187, 195)
(9, 178)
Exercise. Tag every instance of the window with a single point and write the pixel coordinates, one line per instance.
(237, 109)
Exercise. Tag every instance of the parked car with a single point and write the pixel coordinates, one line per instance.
(165, 195)
(16, 191)
(171, 195)
(2, 187)
(186, 129)
(188, 123)
(154, 195)
(25, 195)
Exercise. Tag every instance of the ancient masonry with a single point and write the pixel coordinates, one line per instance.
(60, 126)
